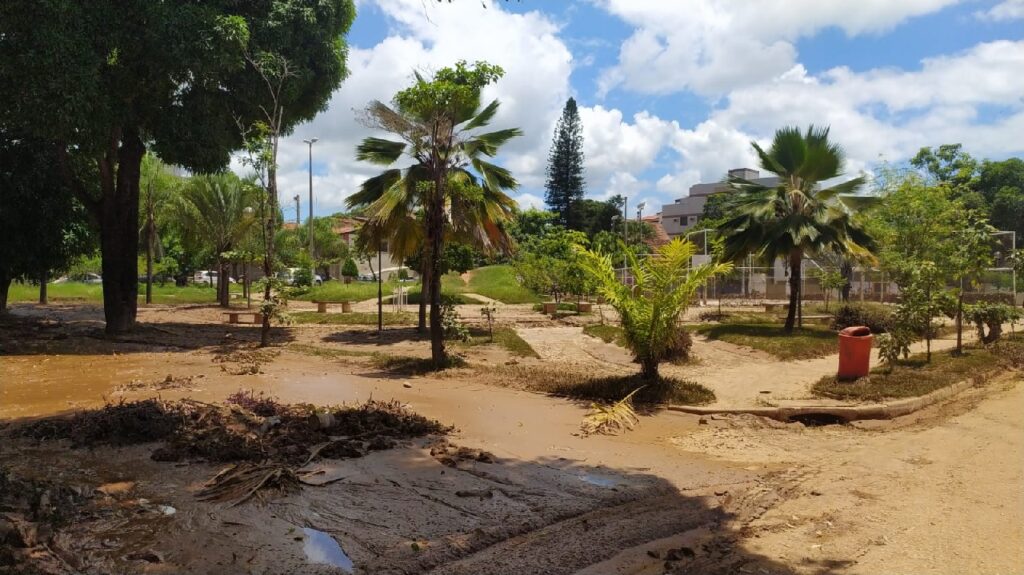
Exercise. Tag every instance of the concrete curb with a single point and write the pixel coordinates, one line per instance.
(845, 412)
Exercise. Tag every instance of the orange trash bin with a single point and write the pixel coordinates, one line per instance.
(854, 352)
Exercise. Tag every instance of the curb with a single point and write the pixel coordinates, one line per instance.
(845, 412)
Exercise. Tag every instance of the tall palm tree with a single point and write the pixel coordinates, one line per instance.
(212, 212)
(795, 218)
(436, 121)
(158, 198)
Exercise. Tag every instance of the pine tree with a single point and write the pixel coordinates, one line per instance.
(565, 166)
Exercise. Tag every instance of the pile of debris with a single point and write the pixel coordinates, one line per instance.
(30, 513)
(268, 441)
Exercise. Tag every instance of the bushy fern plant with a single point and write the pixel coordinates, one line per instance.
(664, 286)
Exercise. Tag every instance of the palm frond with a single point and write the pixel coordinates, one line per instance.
(379, 151)
(611, 419)
(483, 117)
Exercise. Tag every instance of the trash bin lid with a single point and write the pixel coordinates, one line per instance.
(856, 331)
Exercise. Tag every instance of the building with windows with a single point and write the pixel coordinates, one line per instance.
(680, 216)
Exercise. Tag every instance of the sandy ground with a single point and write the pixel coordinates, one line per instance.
(938, 492)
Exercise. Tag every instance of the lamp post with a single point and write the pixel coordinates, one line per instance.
(310, 144)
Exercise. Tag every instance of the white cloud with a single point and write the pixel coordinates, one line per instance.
(428, 36)
(527, 201)
(612, 146)
(1006, 10)
(713, 46)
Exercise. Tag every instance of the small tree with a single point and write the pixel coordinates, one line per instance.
(922, 298)
(650, 311)
(830, 280)
(349, 270)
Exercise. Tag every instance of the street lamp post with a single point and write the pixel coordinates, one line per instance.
(310, 144)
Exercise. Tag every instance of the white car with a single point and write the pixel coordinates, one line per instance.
(288, 275)
(86, 278)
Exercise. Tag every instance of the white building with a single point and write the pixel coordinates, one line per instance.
(680, 216)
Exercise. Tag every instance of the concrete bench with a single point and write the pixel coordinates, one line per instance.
(321, 305)
(234, 316)
(770, 307)
(815, 319)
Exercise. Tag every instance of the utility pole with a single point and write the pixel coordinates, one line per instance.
(298, 209)
(310, 144)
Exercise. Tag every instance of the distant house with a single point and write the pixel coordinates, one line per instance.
(660, 236)
(348, 228)
(680, 216)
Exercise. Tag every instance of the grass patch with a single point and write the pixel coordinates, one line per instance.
(505, 337)
(608, 333)
(499, 282)
(915, 377)
(353, 318)
(408, 365)
(73, 292)
(804, 343)
(605, 389)
(341, 291)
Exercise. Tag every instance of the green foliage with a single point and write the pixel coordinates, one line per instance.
(530, 223)
(992, 316)
(349, 268)
(501, 283)
(44, 229)
(303, 277)
(893, 345)
(830, 280)
(564, 187)
(877, 317)
(665, 284)
(797, 217)
(453, 326)
(550, 263)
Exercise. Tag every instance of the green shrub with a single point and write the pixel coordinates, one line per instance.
(992, 315)
(303, 277)
(453, 328)
(878, 319)
(349, 268)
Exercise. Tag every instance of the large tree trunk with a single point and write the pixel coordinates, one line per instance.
(44, 276)
(119, 236)
(795, 262)
(223, 283)
(5, 288)
(435, 236)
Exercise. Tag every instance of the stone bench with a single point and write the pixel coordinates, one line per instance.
(321, 305)
(234, 316)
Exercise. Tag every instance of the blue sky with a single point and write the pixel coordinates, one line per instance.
(672, 93)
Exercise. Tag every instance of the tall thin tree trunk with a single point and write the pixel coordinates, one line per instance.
(846, 268)
(149, 254)
(118, 216)
(44, 276)
(960, 320)
(795, 261)
(5, 288)
(268, 243)
(223, 283)
(435, 234)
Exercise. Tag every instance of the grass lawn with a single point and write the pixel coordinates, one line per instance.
(93, 293)
(505, 337)
(608, 333)
(914, 376)
(353, 318)
(341, 291)
(499, 282)
(804, 343)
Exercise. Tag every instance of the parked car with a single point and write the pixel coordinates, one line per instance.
(288, 276)
(86, 278)
(367, 278)
(209, 277)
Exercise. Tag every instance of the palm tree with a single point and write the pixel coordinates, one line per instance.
(650, 311)
(212, 212)
(436, 120)
(795, 218)
(158, 198)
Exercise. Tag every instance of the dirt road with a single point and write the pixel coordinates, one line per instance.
(938, 492)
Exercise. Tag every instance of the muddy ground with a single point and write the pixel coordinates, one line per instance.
(941, 491)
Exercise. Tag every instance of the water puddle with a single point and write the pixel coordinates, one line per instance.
(599, 480)
(322, 548)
